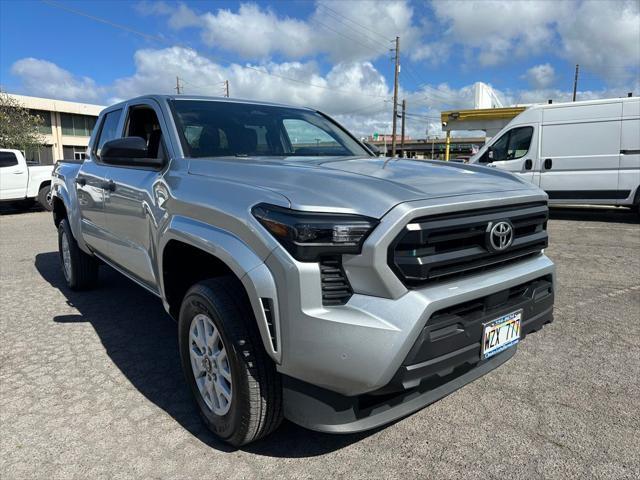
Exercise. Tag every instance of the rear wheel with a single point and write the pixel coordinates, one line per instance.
(45, 198)
(234, 382)
(80, 269)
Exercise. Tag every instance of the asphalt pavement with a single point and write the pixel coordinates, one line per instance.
(91, 385)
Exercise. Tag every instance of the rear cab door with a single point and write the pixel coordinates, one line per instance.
(135, 196)
(90, 183)
(580, 153)
(14, 175)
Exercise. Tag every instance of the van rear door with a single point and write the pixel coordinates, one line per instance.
(629, 176)
(580, 153)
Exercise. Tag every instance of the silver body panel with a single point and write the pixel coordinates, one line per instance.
(207, 203)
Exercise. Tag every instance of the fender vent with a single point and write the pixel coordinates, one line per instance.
(335, 285)
(267, 308)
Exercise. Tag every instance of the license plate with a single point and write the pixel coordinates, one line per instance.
(500, 334)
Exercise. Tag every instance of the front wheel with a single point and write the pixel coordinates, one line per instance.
(80, 269)
(234, 382)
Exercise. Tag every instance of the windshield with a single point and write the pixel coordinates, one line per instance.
(211, 128)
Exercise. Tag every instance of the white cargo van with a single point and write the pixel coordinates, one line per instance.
(579, 152)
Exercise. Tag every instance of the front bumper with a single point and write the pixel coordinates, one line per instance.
(358, 348)
(445, 357)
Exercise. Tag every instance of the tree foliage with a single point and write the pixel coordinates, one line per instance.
(18, 128)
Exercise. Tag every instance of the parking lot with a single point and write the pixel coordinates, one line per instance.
(91, 385)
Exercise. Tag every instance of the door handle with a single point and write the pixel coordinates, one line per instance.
(18, 173)
(528, 164)
(109, 185)
(81, 181)
(548, 163)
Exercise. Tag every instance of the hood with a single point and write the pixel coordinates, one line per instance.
(366, 185)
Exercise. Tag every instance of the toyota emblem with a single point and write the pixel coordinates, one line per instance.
(500, 236)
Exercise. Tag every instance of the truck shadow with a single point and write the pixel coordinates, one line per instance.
(12, 208)
(594, 214)
(141, 340)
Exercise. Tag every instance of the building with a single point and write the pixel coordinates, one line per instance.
(433, 148)
(66, 127)
(488, 120)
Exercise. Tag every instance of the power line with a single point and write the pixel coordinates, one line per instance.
(202, 86)
(348, 37)
(341, 18)
(339, 15)
(166, 42)
(376, 104)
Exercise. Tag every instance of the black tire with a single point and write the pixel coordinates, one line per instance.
(83, 271)
(44, 198)
(256, 404)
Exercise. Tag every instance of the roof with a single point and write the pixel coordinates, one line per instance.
(63, 106)
(161, 97)
(481, 114)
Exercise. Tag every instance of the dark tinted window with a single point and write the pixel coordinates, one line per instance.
(519, 142)
(217, 129)
(8, 159)
(500, 147)
(513, 144)
(109, 128)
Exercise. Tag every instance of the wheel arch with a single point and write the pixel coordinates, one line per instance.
(191, 251)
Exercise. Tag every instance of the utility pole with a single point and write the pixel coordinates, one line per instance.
(178, 85)
(575, 82)
(226, 88)
(404, 109)
(395, 98)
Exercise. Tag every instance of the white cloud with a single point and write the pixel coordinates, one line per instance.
(604, 36)
(356, 93)
(540, 76)
(345, 31)
(499, 29)
(46, 79)
(255, 33)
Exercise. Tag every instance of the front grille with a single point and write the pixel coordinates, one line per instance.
(441, 246)
(336, 289)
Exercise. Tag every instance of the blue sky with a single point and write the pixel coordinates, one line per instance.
(336, 51)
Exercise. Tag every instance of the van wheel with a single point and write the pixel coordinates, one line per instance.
(234, 382)
(80, 269)
(45, 199)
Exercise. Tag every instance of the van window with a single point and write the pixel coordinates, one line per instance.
(519, 142)
(513, 144)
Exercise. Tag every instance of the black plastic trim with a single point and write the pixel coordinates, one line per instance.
(322, 410)
(444, 245)
(588, 194)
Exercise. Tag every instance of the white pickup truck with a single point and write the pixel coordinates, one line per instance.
(20, 181)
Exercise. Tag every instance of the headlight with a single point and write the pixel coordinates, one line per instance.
(309, 235)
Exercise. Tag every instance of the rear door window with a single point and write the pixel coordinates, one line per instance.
(8, 159)
(108, 130)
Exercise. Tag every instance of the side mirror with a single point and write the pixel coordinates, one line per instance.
(128, 151)
(373, 148)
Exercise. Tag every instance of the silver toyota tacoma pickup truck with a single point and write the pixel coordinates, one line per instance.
(310, 279)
